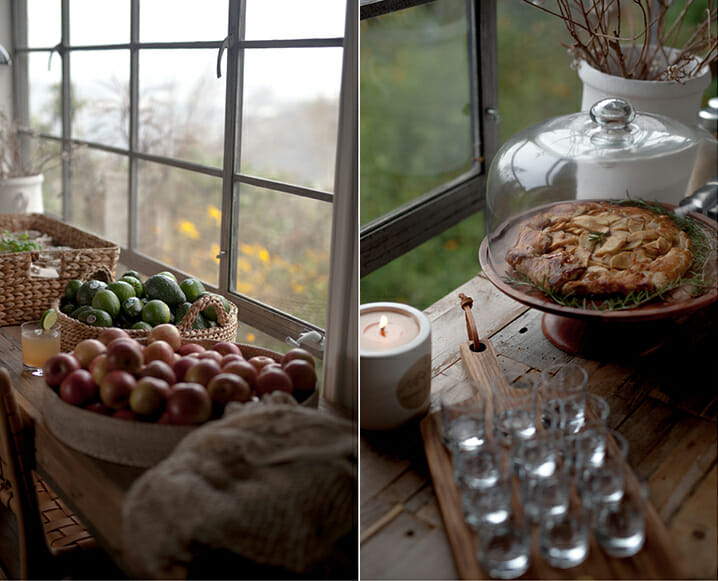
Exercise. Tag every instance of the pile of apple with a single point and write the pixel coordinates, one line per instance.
(167, 382)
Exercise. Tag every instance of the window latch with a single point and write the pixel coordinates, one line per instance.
(311, 338)
(225, 46)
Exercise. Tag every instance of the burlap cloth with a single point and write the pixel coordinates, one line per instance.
(273, 483)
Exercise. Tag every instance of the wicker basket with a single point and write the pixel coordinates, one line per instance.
(25, 297)
(131, 443)
(74, 331)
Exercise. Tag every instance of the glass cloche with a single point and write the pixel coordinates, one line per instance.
(610, 153)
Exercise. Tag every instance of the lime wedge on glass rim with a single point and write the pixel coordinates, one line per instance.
(48, 319)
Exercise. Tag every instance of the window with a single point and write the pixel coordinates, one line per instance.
(428, 123)
(202, 138)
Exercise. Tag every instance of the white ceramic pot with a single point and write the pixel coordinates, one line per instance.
(21, 195)
(681, 101)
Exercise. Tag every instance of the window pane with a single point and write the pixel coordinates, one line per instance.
(93, 22)
(290, 112)
(45, 93)
(415, 101)
(44, 27)
(182, 105)
(274, 19)
(101, 83)
(283, 251)
(179, 219)
(163, 21)
(52, 174)
(99, 193)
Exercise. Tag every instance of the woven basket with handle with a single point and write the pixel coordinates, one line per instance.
(25, 297)
(74, 331)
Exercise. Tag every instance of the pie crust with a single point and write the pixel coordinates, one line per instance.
(599, 248)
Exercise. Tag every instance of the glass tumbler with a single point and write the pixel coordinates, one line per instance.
(620, 528)
(504, 550)
(514, 407)
(487, 506)
(564, 538)
(564, 388)
(463, 418)
(601, 468)
(38, 345)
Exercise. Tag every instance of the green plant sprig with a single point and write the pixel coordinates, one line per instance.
(12, 242)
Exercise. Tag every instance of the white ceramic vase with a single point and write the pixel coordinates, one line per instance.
(22, 195)
(679, 100)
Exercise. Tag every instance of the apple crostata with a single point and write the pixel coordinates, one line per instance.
(599, 248)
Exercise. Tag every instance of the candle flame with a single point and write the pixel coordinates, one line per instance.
(383, 321)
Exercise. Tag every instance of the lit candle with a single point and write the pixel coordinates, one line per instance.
(395, 364)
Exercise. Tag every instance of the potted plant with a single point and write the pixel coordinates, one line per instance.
(655, 56)
(22, 163)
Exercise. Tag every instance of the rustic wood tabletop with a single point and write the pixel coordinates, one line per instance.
(665, 404)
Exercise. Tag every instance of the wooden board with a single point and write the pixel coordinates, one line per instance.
(657, 560)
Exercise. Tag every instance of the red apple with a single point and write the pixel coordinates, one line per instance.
(116, 387)
(99, 408)
(78, 387)
(159, 350)
(260, 361)
(188, 404)
(209, 354)
(227, 387)
(227, 347)
(244, 369)
(125, 355)
(98, 367)
(302, 374)
(273, 378)
(188, 348)
(182, 365)
(297, 353)
(165, 332)
(202, 371)
(125, 414)
(59, 366)
(231, 357)
(149, 396)
(108, 335)
(160, 370)
(87, 349)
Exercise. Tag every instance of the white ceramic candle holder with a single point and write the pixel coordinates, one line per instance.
(395, 366)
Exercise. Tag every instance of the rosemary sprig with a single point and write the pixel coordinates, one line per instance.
(596, 237)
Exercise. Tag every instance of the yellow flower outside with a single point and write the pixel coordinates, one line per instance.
(189, 229)
(216, 213)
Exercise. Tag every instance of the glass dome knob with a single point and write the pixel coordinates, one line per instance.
(613, 119)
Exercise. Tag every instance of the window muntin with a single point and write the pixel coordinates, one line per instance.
(123, 138)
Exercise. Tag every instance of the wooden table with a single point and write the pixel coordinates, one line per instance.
(665, 404)
(92, 488)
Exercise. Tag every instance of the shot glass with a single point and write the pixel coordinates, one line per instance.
(601, 469)
(487, 506)
(537, 456)
(504, 550)
(547, 496)
(563, 539)
(514, 407)
(564, 388)
(38, 345)
(479, 467)
(463, 419)
(620, 528)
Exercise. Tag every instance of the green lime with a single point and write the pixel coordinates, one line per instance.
(71, 288)
(181, 310)
(168, 274)
(133, 274)
(48, 319)
(192, 288)
(79, 311)
(123, 289)
(135, 283)
(156, 312)
(87, 290)
(210, 313)
(141, 325)
(97, 318)
(132, 307)
(200, 322)
(165, 289)
(67, 308)
(106, 300)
